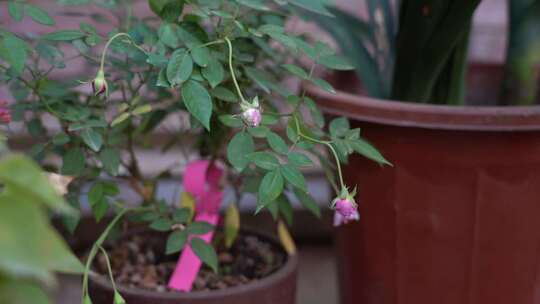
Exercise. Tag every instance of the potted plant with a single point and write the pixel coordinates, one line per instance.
(452, 220)
(215, 67)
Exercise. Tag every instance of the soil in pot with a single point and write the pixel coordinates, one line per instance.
(139, 261)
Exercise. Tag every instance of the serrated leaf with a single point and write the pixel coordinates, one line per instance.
(201, 55)
(296, 70)
(366, 149)
(294, 176)
(224, 94)
(338, 127)
(110, 159)
(205, 252)
(335, 62)
(142, 109)
(239, 147)
(198, 102)
(323, 84)
(14, 50)
(176, 241)
(16, 10)
(64, 35)
(299, 159)
(161, 224)
(73, 162)
(214, 73)
(264, 160)
(231, 121)
(277, 143)
(92, 139)
(271, 187)
(199, 228)
(180, 67)
(38, 15)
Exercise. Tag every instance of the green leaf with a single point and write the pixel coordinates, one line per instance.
(142, 109)
(259, 132)
(366, 149)
(168, 10)
(176, 241)
(308, 202)
(316, 6)
(285, 208)
(300, 160)
(214, 73)
(338, 127)
(264, 160)
(224, 94)
(14, 50)
(294, 176)
(120, 119)
(110, 159)
(92, 139)
(231, 121)
(198, 102)
(277, 143)
(199, 228)
(39, 15)
(254, 4)
(201, 55)
(335, 62)
(271, 187)
(22, 292)
(118, 299)
(167, 35)
(239, 147)
(23, 175)
(205, 252)
(65, 35)
(161, 224)
(316, 114)
(296, 70)
(16, 10)
(73, 162)
(323, 84)
(180, 67)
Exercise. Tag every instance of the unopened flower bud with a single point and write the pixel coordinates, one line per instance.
(99, 84)
(5, 114)
(252, 117)
(346, 209)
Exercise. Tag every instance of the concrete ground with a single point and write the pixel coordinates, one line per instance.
(317, 281)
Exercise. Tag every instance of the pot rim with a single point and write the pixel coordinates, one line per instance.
(407, 114)
(289, 267)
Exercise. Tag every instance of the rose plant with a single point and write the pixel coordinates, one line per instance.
(221, 64)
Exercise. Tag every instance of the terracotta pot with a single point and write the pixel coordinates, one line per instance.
(457, 219)
(279, 287)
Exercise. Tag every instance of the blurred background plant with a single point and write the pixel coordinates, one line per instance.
(31, 249)
(417, 50)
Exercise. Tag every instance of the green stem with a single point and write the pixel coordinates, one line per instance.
(109, 268)
(98, 244)
(326, 143)
(102, 62)
(232, 71)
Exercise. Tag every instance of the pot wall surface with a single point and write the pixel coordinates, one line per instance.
(457, 219)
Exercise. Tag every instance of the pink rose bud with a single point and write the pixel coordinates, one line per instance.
(5, 114)
(99, 84)
(252, 117)
(345, 211)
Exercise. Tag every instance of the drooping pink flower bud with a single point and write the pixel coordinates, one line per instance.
(5, 114)
(346, 209)
(252, 117)
(99, 84)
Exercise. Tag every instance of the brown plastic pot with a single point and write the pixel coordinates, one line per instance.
(457, 219)
(279, 287)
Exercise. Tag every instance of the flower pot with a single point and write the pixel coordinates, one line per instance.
(457, 218)
(278, 287)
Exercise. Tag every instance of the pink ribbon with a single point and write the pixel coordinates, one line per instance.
(202, 181)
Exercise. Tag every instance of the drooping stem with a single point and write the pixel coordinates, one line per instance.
(232, 71)
(326, 143)
(109, 268)
(102, 62)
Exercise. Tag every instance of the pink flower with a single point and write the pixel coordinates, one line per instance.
(99, 84)
(5, 114)
(345, 211)
(252, 117)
